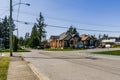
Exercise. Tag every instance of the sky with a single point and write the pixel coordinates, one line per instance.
(82, 14)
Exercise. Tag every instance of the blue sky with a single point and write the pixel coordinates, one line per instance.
(86, 14)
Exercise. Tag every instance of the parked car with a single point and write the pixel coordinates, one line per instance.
(101, 46)
(108, 46)
(89, 47)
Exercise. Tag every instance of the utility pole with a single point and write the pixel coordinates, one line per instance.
(10, 24)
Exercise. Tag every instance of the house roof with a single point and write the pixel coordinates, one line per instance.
(54, 37)
(86, 37)
(64, 36)
(112, 37)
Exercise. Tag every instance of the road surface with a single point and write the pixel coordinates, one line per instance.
(74, 65)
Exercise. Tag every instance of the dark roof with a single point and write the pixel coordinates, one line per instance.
(112, 37)
(62, 36)
(54, 37)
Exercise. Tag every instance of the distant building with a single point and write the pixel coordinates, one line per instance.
(114, 40)
(66, 40)
(89, 41)
(111, 40)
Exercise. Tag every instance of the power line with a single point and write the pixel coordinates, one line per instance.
(66, 20)
(92, 30)
(85, 29)
(72, 21)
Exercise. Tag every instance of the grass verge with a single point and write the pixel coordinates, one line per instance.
(116, 52)
(21, 50)
(4, 64)
(66, 49)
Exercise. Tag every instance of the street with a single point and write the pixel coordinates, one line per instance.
(74, 65)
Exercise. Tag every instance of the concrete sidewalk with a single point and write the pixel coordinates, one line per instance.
(19, 70)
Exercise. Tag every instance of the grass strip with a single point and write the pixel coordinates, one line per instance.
(116, 52)
(21, 50)
(4, 64)
(66, 49)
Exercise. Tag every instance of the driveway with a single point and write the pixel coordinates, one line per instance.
(74, 65)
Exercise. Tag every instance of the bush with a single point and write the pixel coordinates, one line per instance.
(116, 46)
(15, 43)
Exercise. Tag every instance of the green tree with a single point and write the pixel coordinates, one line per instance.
(5, 32)
(34, 39)
(72, 30)
(105, 36)
(41, 28)
(21, 41)
(27, 38)
(0, 30)
(15, 43)
(13, 25)
(99, 37)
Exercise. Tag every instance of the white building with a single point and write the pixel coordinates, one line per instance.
(111, 40)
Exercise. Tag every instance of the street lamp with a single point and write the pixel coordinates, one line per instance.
(10, 24)
(21, 3)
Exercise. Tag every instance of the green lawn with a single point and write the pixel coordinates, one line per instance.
(116, 46)
(4, 64)
(66, 49)
(21, 50)
(116, 52)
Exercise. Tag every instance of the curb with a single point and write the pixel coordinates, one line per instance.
(37, 72)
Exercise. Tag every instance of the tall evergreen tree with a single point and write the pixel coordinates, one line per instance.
(0, 29)
(21, 41)
(41, 28)
(5, 32)
(15, 43)
(34, 39)
(72, 30)
(99, 37)
(27, 37)
(105, 36)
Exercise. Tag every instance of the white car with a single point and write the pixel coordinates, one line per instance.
(108, 46)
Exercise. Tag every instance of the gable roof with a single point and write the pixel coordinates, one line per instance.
(54, 37)
(63, 36)
(86, 37)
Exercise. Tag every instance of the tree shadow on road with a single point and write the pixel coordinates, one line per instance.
(62, 57)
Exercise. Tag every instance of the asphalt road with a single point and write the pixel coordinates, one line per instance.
(75, 65)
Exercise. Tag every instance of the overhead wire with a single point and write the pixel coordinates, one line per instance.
(66, 20)
(92, 30)
(72, 21)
